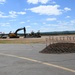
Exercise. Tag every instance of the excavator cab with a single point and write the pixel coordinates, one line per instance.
(15, 35)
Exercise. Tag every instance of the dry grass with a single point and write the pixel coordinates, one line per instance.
(22, 40)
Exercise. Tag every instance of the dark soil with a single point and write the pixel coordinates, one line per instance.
(59, 48)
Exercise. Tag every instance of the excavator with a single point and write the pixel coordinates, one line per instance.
(15, 35)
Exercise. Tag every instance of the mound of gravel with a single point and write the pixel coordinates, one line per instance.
(59, 48)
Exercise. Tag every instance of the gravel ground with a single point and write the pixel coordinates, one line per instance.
(58, 48)
(11, 65)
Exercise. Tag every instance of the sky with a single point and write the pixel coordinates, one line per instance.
(34, 15)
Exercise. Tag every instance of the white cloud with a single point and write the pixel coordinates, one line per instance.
(72, 22)
(37, 1)
(63, 23)
(51, 19)
(28, 26)
(35, 23)
(44, 23)
(28, 20)
(51, 25)
(67, 9)
(2, 15)
(66, 24)
(32, 1)
(21, 13)
(2, 1)
(43, 29)
(5, 24)
(43, 1)
(53, 2)
(22, 22)
(12, 20)
(59, 26)
(12, 14)
(47, 10)
(67, 16)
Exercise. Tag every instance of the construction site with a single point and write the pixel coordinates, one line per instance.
(55, 44)
(36, 54)
(37, 37)
(24, 34)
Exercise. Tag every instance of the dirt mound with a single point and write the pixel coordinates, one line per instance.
(59, 48)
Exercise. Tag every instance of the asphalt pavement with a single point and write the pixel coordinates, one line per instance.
(25, 59)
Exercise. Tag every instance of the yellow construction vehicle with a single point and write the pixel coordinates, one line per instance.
(15, 35)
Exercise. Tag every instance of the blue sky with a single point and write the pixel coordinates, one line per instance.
(43, 15)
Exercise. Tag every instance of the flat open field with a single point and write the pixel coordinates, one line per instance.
(43, 39)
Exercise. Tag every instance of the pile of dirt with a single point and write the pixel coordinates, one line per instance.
(58, 48)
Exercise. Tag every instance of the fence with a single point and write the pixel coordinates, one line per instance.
(60, 39)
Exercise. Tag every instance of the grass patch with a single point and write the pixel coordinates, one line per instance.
(22, 41)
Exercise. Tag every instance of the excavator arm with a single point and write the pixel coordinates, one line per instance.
(16, 32)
